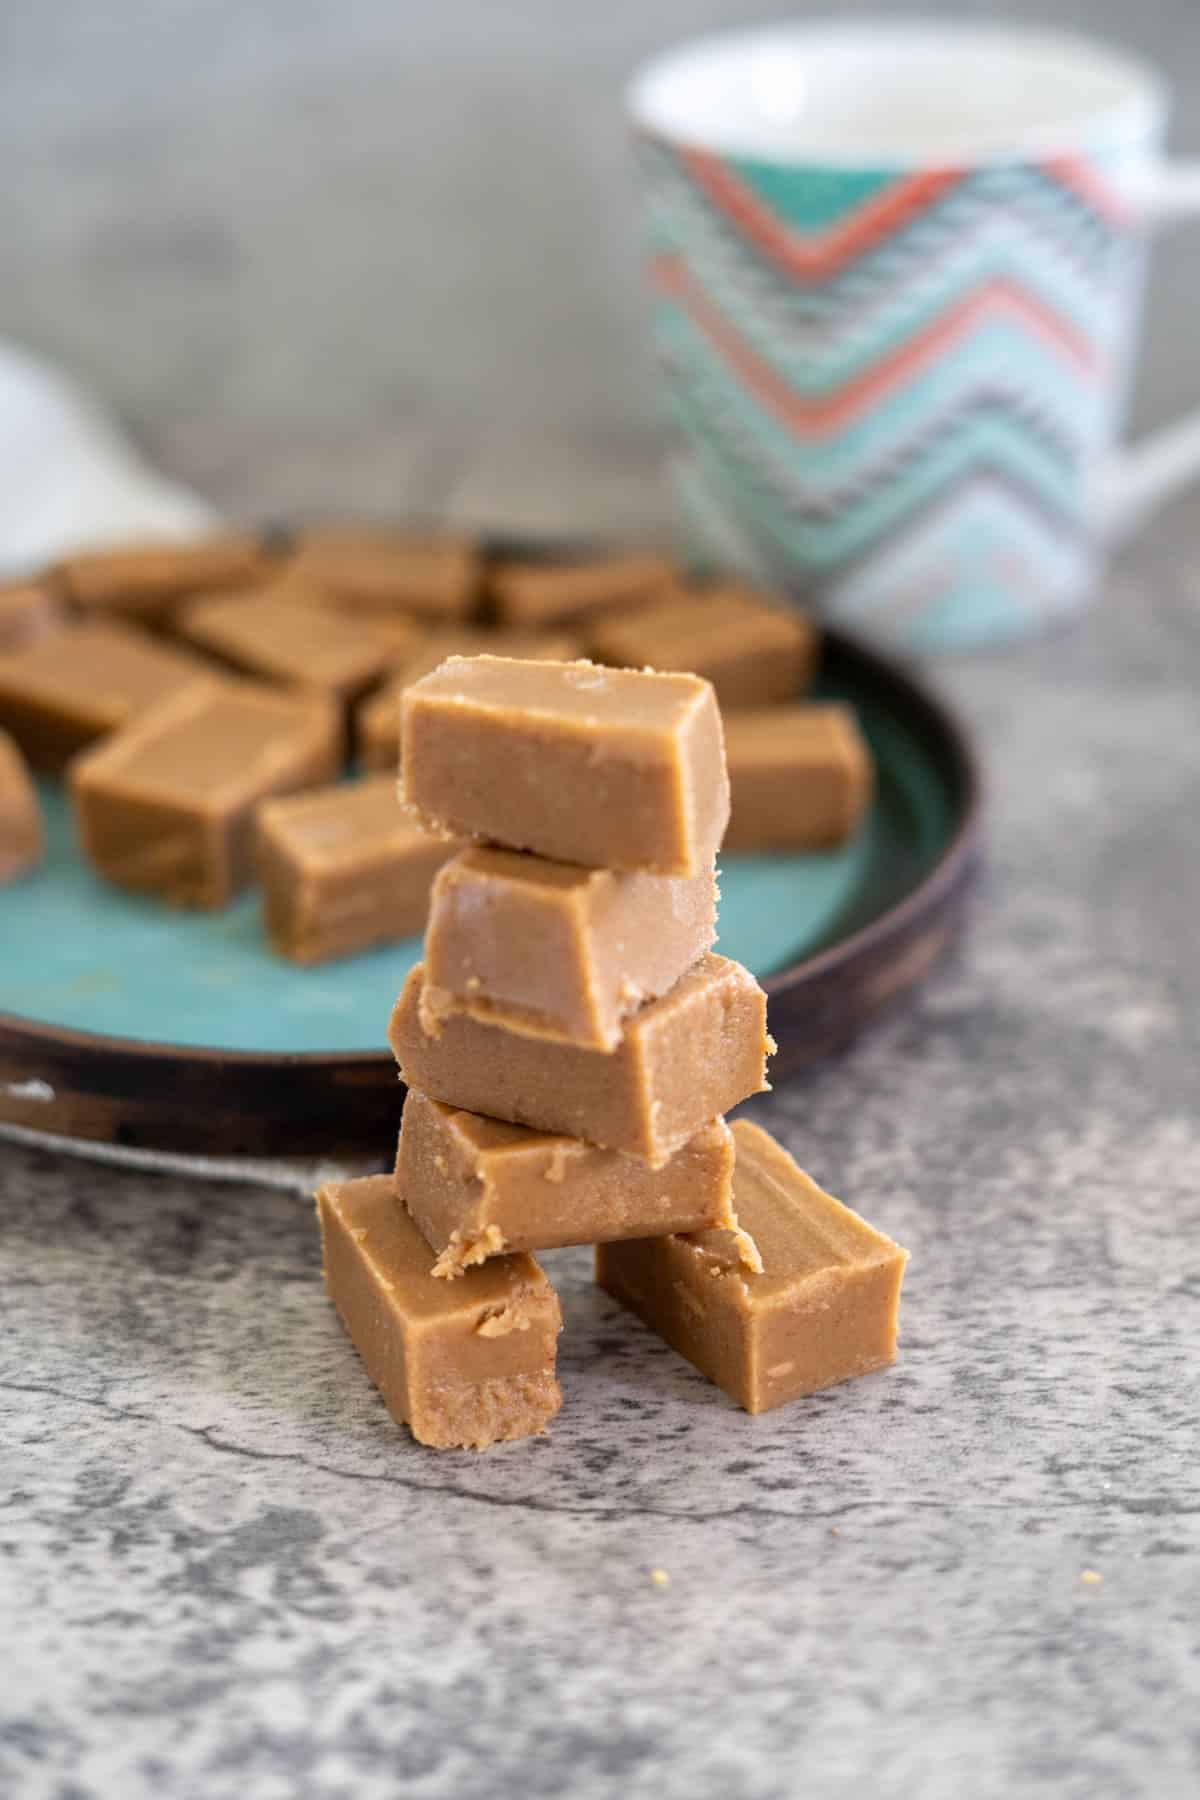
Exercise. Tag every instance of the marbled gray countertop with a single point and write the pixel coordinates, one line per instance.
(223, 1571)
(226, 1572)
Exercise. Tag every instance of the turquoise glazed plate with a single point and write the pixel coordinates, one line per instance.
(125, 1021)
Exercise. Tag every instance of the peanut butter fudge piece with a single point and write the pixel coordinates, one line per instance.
(399, 635)
(752, 652)
(343, 868)
(477, 1187)
(555, 950)
(824, 1308)
(377, 720)
(147, 581)
(480, 640)
(64, 692)
(377, 728)
(280, 638)
(21, 837)
(801, 777)
(375, 571)
(548, 593)
(604, 767)
(682, 1060)
(166, 806)
(463, 1364)
(29, 611)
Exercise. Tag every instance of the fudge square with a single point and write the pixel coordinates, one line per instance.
(463, 1364)
(377, 718)
(824, 1308)
(477, 1187)
(166, 806)
(370, 570)
(21, 837)
(279, 636)
(753, 652)
(28, 611)
(343, 868)
(607, 767)
(556, 950)
(682, 1060)
(800, 777)
(551, 592)
(147, 581)
(61, 693)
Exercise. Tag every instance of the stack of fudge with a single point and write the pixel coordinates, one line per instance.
(570, 1046)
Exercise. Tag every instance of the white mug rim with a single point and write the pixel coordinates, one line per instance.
(1136, 115)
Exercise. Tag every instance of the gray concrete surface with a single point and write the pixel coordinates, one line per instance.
(318, 264)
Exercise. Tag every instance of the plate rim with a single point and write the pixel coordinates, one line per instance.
(955, 861)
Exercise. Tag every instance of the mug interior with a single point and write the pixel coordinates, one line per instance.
(897, 92)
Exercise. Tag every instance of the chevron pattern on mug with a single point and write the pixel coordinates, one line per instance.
(893, 384)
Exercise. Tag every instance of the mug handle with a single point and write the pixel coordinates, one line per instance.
(1134, 481)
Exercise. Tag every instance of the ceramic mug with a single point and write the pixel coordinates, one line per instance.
(897, 270)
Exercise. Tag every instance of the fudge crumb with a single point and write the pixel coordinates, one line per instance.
(556, 1169)
(463, 1253)
(748, 1251)
(499, 1324)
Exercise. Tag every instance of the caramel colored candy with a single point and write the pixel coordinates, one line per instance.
(280, 638)
(70, 688)
(549, 593)
(166, 806)
(555, 950)
(343, 868)
(377, 720)
(478, 640)
(682, 1060)
(824, 1308)
(28, 613)
(603, 767)
(752, 652)
(463, 1364)
(374, 571)
(147, 581)
(477, 1187)
(21, 838)
(399, 635)
(800, 776)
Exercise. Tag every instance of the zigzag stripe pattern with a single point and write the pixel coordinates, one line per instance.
(965, 235)
(821, 462)
(1051, 214)
(896, 370)
(980, 524)
(835, 390)
(828, 535)
(986, 411)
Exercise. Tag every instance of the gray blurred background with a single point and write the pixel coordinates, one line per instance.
(381, 256)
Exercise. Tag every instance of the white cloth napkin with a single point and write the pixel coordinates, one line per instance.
(69, 479)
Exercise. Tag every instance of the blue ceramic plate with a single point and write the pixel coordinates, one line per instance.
(97, 970)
